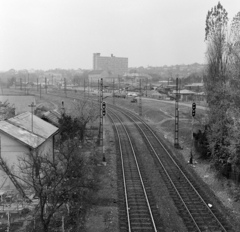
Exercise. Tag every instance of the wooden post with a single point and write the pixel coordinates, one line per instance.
(32, 107)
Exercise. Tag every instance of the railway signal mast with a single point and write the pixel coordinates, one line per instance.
(193, 115)
(102, 121)
(113, 92)
(140, 97)
(176, 138)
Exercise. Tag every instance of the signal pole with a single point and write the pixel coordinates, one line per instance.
(193, 117)
(103, 132)
(140, 97)
(113, 91)
(176, 139)
(100, 134)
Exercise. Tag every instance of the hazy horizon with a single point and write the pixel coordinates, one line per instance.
(50, 34)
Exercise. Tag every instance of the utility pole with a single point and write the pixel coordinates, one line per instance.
(98, 91)
(40, 90)
(65, 86)
(126, 88)
(91, 85)
(37, 84)
(25, 86)
(32, 109)
(140, 97)
(176, 136)
(146, 86)
(20, 83)
(88, 87)
(113, 91)
(118, 84)
(84, 86)
(45, 85)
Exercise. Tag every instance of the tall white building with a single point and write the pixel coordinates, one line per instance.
(115, 65)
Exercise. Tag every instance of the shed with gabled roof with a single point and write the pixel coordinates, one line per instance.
(19, 137)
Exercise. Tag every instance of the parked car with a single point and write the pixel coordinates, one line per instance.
(132, 94)
(134, 100)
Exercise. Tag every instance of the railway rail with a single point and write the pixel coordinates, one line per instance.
(193, 205)
(137, 209)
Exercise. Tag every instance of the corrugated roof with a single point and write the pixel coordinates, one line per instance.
(22, 135)
(40, 127)
(20, 128)
(52, 116)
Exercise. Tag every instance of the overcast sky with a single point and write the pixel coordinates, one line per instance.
(45, 34)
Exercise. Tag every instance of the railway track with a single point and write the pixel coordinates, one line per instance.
(137, 209)
(194, 206)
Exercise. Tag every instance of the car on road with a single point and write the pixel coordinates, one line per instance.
(132, 94)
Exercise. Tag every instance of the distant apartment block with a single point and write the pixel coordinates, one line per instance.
(116, 65)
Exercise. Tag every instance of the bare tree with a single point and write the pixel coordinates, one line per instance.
(85, 112)
(56, 180)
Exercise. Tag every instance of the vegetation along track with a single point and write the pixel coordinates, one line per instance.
(137, 209)
(193, 205)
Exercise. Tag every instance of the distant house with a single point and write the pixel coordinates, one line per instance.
(19, 136)
(19, 102)
(196, 87)
(96, 75)
(185, 94)
(136, 77)
(52, 117)
(156, 95)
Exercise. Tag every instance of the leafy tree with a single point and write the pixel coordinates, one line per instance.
(77, 79)
(221, 84)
